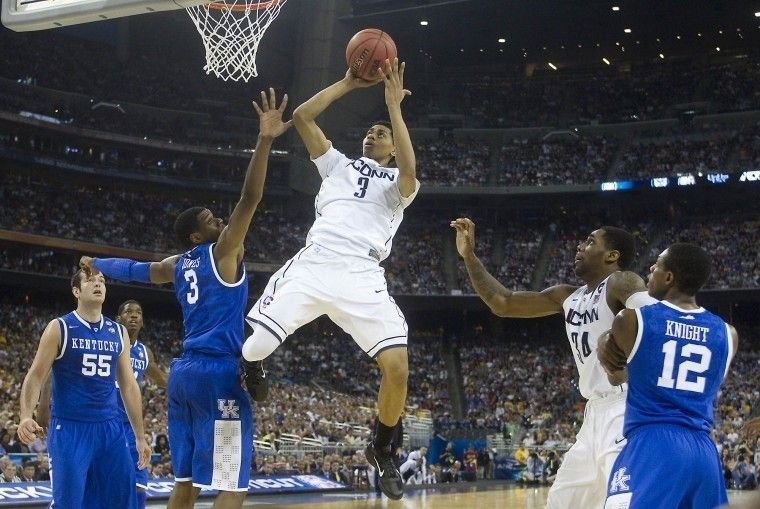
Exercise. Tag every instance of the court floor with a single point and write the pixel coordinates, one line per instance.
(476, 496)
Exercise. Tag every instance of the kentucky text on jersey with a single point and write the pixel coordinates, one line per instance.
(368, 171)
(686, 331)
(95, 344)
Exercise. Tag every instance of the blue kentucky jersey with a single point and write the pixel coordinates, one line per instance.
(213, 310)
(84, 372)
(138, 357)
(676, 367)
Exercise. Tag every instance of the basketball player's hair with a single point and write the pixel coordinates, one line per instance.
(690, 265)
(127, 303)
(387, 124)
(76, 279)
(187, 224)
(617, 239)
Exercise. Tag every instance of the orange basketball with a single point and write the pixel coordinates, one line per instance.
(367, 50)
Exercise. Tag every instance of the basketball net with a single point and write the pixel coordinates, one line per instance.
(231, 31)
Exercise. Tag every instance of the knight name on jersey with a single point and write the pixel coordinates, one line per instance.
(686, 331)
(191, 263)
(368, 171)
(575, 318)
(95, 344)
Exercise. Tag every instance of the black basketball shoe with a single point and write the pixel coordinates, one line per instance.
(390, 478)
(256, 379)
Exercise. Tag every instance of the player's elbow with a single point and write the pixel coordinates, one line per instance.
(301, 116)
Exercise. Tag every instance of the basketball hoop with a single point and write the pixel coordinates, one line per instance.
(231, 31)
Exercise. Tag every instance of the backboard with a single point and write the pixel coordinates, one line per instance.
(28, 15)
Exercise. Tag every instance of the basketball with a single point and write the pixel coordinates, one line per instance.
(367, 50)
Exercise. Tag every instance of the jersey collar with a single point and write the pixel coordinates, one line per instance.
(98, 326)
(673, 306)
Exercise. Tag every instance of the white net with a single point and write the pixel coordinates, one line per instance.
(231, 32)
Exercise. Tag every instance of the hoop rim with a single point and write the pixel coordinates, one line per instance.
(247, 5)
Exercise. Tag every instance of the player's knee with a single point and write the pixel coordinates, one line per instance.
(259, 345)
(394, 365)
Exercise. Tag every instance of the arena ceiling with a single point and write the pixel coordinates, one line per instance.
(469, 31)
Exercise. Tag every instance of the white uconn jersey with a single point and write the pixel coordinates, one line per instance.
(587, 316)
(359, 206)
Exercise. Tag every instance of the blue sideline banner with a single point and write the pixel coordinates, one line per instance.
(40, 493)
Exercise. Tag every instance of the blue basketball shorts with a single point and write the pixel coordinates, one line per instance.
(666, 465)
(210, 423)
(90, 465)
(141, 475)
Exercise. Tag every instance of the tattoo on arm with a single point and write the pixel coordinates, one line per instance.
(487, 286)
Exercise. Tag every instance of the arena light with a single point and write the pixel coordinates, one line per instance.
(424, 23)
(717, 48)
(606, 61)
(627, 30)
(662, 56)
(502, 40)
(616, 9)
(757, 14)
(554, 67)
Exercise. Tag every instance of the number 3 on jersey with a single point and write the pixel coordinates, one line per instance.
(192, 278)
(363, 183)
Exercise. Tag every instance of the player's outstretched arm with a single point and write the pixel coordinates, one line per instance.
(393, 76)
(154, 372)
(126, 270)
(504, 302)
(615, 345)
(47, 350)
(130, 395)
(305, 115)
(228, 251)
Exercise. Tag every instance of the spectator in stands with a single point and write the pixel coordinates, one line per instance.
(157, 472)
(447, 458)
(43, 467)
(743, 475)
(9, 474)
(29, 472)
(534, 472)
(551, 467)
(326, 470)
(483, 462)
(452, 473)
(521, 455)
(162, 444)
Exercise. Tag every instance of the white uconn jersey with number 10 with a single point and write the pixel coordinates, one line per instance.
(587, 316)
(359, 206)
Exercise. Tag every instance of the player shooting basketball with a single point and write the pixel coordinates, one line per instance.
(358, 211)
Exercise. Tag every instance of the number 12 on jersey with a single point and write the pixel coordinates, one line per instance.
(701, 352)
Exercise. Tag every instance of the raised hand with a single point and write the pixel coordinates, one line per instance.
(393, 75)
(356, 82)
(270, 116)
(85, 263)
(465, 236)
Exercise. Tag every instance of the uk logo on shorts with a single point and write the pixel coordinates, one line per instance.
(619, 481)
(266, 301)
(228, 408)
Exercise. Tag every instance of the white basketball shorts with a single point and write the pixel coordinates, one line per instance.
(350, 290)
(582, 477)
